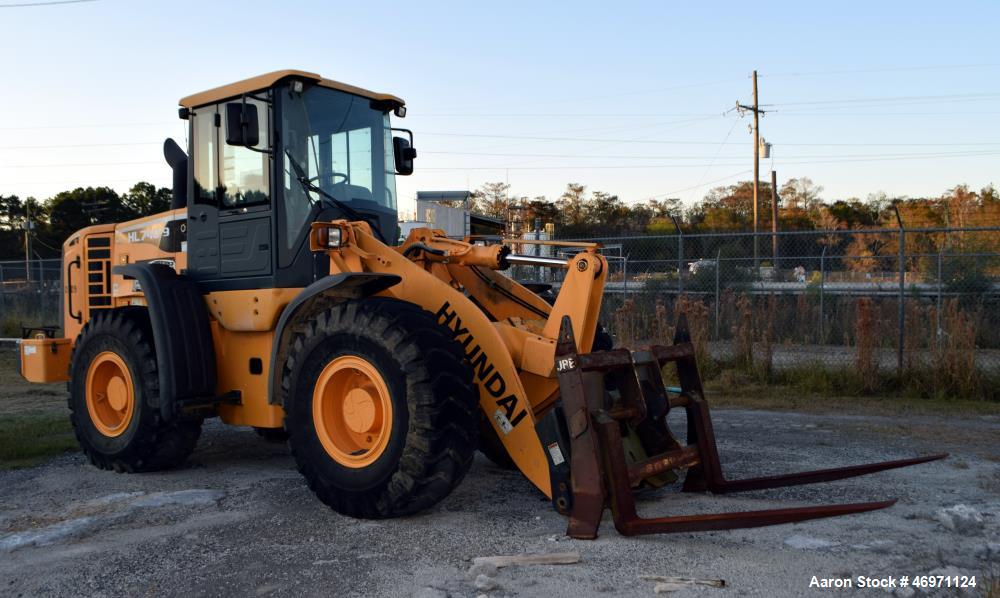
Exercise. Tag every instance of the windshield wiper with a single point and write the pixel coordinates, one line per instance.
(300, 176)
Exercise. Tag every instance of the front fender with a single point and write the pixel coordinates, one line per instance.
(326, 291)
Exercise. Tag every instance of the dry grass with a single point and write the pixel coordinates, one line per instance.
(734, 391)
(991, 587)
(866, 341)
(698, 321)
(955, 351)
(743, 332)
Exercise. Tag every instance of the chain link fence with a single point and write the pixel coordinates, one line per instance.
(858, 310)
(29, 294)
(853, 310)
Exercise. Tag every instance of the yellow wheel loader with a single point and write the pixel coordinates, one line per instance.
(275, 294)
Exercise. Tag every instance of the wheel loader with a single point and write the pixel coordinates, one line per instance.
(276, 293)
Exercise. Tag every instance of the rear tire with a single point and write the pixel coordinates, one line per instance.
(114, 397)
(380, 408)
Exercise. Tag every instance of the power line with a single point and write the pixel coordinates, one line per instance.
(717, 152)
(570, 114)
(77, 164)
(81, 182)
(57, 146)
(678, 142)
(832, 113)
(803, 159)
(705, 184)
(690, 157)
(838, 159)
(946, 97)
(575, 139)
(884, 70)
(91, 126)
(51, 3)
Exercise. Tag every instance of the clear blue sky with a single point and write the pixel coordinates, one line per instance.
(628, 96)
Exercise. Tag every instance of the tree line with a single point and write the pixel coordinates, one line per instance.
(729, 208)
(577, 213)
(58, 217)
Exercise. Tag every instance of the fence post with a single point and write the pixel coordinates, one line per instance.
(625, 274)
(822, 283)
(902, 291)
(718, 299)
(680, 262)
(680, 256)
(937, 312)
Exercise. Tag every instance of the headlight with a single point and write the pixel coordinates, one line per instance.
(325, 237)
(328, 237)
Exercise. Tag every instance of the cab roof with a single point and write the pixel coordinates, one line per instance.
(266, 80)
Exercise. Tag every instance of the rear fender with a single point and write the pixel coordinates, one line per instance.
(185, 355)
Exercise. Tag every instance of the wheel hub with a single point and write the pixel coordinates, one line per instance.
(359, 410)
(110, 394)
(352, 411)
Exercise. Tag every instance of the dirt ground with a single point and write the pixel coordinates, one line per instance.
(239, 520)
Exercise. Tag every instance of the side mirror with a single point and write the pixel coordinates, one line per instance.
(241, 124)
(403, 155)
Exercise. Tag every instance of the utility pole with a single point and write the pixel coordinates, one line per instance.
(756, 168)
(774, 220)
(27, 244)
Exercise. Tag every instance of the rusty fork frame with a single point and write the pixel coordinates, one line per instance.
(599, 476)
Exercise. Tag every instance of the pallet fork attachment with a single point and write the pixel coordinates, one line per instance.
(600, 475)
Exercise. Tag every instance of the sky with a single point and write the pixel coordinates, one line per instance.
(631, 98)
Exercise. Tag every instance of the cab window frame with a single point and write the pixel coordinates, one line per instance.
(265, 187)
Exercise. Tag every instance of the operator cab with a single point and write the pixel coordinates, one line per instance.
(272, 154)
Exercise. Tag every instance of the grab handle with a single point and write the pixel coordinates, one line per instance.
(69, 290)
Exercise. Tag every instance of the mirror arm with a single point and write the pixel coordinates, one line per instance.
(269, 151)
(408, 132)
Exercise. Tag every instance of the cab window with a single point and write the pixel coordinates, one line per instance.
(244, 172)
(205, 139)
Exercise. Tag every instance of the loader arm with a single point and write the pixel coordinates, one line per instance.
(587, 428)
(508, 333)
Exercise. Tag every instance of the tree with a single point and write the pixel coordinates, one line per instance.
(827, 220)
(877, 203)
(852, 213)
(571, 204)
(493, 199)
(540, 208)
(11, 212)
(606, 211)
(961, 204)
(69, 211)
(144, 199)
(801, 193)
(726, 208)
(663, 208)
(863, 252)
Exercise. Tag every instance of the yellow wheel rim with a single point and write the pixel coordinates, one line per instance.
(110, 394)
(352, 411)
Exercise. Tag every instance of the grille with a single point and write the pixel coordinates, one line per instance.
(98, 260)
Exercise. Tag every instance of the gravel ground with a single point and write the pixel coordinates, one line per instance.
(240, 521)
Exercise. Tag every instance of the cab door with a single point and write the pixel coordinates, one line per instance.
(203, 205)
(229, 218)
(245, 206)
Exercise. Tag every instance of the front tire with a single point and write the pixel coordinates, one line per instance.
(114, 397)
(380, 408)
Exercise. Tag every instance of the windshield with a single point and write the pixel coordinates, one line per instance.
(344, 147)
